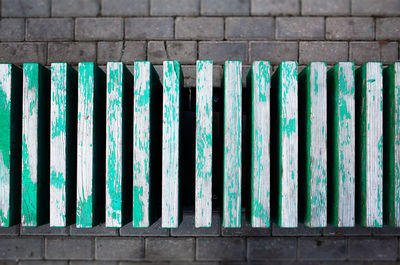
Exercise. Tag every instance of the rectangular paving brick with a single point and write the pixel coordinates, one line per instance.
(319, 248)
(25, 8)
(225, 8)
(71, 52)
(199, 28)
(23, 52)
(119, 248)
(174, 7)
(373, 248)
(124, 7)
(69, 248)
(21, 248)
(12, 29)
(75, 8)
(49, 29)
(325, 8)
(159, 249)
(149, 28)
(378, 8)
(303, 28)
(274, 51)
(220, 52)
(247, 28)
(274, 248)
(388, 28)
(330, 52)
(98, 28)
(221, 249)
(275, 7)
(350, 28)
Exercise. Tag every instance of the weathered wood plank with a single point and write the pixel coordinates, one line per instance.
(313, 144)
(141, 144)
(341, 144)
(10, 144)
(232, 144)
(203, 166)
(369, 144)
(35, 129)
(285, 85)
(90, 169)
(61, 158)
(260, 85)
(391, 145)
(170, 213)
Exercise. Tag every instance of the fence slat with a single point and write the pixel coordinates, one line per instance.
(285, 91)
(170, 215)
(313, 144)
(10, 144)
(391, 145)
(260, 84)
(35, 129)
(62, 160)
(204, 119)
(90, 169)
(341, 144)
(369, 143)
(232, 143)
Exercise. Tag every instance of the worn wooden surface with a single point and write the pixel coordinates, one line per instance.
(85, 150)
(341, 149)
(391, 145)
(170, 212)
(260, 85)
(285, 84)
(313, 144)
(369, 144)
(204, 120)
(232, 167)
(141, 144)
(10, 125)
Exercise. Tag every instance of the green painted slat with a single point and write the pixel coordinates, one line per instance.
(341, 144)
(313, 144)
(260, 85)
(35, 168)
(391, 145)
(89, 146)
(203, 166)
(369, 144)
(141, 144)
(170, 212)
(284, 83)
(10, 144)
(115, 83)
(232, 144)
(61, 179)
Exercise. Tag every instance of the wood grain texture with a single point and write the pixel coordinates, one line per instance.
(10, 144)
(114, 144)
(232, 169)
(260, 85)
(313, 144)
(203, 166)
(341, 145)
(90, 146)
(141, 144)
(391, 145)
(58, 145)
(34, 199)
(170, 212)
(285, 86)
(369, 144)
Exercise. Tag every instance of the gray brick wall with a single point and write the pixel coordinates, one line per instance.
(47, 31)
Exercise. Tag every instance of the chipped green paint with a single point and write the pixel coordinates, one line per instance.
(341, 144)
(259, 81)
(232, 169)
(285, 80)
(30, 135)
(312, 149)
(85, 178)
(369, 148)
(9, 119)
(115, 84)
(203, 168)
(170, 212)
(391, 145)
(141, 144)
(58, 144)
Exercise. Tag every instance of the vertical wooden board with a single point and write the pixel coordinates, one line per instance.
(141, 144)
(369, 145)
(288, 134)
(30, 139)
(58, 145)
(314, 144)
(391, 145)
(114, 144)
(170, 144)
(9, 114)
(232, 144)
(341, 137)
(203, 166)
(86, 83)
(260, 139)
